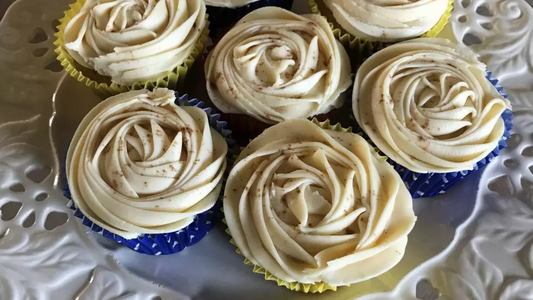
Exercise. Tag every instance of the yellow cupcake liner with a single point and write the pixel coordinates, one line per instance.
(435, 30)
(174, 79)
(359, 48)
(327, 125)
(293, 286)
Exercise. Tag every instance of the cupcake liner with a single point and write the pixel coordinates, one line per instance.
(422, 185)
(246, 128)
(173, 80)
(294, 286)
(173, 242)
(359, 48)
(225, 17)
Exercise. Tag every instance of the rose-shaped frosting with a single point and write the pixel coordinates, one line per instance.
(313, 205)
(389, 20)
(134, 40)
(427, 105)
(140, 164)
(275, 65)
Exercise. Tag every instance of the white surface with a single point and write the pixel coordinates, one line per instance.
(468, 244)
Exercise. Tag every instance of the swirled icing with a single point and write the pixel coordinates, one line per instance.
(134, 40)
(275, 65)
(427, 105)
(313, 205)
(140, 164)
(389, 20)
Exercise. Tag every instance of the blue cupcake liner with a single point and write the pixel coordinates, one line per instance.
(224, 17)
(173, 242)
(422, 185)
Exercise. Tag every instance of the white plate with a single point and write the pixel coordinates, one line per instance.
(475, 242)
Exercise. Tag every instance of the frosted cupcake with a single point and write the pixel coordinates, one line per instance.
(275, 65)
(146, 171)
(364, 25)
(113, 46)
(427, 105)
(314, 207)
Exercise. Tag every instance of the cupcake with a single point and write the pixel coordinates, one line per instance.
(114, 46)
(275, 65)
(315, 207)
(363, 25)
(147, 172)
(427, 105)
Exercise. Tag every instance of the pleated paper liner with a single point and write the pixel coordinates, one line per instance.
(422, 185)
(246, 128)
(172, 242)
(293, 286)
(102, 85)
(319, 287)
(223, 18)
(358, 48)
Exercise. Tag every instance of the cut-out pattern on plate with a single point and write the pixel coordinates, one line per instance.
(45, 253)
(491, 255)
(501, 32)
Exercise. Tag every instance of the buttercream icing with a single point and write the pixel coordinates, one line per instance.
(387, 20)
(313, 205)
(134, 40)
(140, 164)
(275, 65)
(427, 105)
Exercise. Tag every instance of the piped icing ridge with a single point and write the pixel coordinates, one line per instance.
(387, 20)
